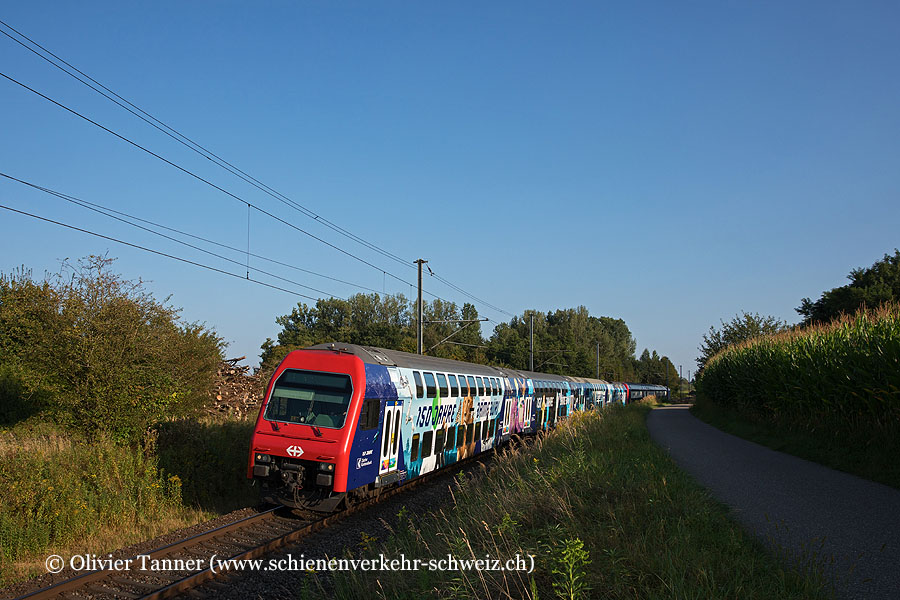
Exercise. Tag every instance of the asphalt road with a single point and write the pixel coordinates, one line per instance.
(793, 504)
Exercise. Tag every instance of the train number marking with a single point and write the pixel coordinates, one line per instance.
(294, 451)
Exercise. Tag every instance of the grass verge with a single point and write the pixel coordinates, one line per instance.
(872, 458)
(66, 494)
(604, 512)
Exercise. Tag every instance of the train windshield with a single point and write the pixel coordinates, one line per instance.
(319, 399)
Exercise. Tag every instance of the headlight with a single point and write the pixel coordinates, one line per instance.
(327, 467)
(262, 458)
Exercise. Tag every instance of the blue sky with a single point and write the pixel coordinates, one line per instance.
(670, 164)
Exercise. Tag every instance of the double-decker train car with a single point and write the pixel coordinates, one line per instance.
(341, 422)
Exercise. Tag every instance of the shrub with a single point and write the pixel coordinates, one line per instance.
(101, 350)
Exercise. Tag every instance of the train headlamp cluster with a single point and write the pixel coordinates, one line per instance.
(262, 458)
(327, 467)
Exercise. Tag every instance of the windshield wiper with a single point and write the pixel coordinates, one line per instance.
(316, 430)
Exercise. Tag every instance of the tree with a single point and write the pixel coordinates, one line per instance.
(870, 288)
(365, 319)
(742, 327)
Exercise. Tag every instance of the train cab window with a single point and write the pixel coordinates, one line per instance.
(451, 438)
(420, 389)
(472, 390)
(368, 416)
(454, 386)
(480, 384)
(430, 387)
(477, 431)
(320, 399)
(439, 441)
(461, 435)
(426, 444)
(414, 453)
(442, 386)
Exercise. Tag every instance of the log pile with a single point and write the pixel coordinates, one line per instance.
(237, 392)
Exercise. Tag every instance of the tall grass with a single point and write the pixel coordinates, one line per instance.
(64, 493)
(605, 513)
(840, 379)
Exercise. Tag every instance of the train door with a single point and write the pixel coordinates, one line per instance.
(390, 425)
(390, 440)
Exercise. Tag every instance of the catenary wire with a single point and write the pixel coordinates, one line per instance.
(83, 204)
(211, 184)
(144, 248)
(188, 142)
(88, 204)
(203, 151)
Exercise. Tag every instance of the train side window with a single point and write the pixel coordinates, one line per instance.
(451, 438)
(470, 428)
(396, 431)
(461, 435)
(368, 416)
(472, 390)
(454, 386)
(477, 431)
(430, 387)
(387, 436)
(439, 441)
(480, 384)
(426, 444)
(420, 389)
(442, 385)
(414, 453)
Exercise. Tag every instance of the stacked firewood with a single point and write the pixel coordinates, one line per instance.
(237, 391)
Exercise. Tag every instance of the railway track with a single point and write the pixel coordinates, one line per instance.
(248, 538)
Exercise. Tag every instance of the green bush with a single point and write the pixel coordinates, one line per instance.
(101, 351)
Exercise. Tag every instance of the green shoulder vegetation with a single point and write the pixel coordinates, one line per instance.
(100, 446)
(604, 512)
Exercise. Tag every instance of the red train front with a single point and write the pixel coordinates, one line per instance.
(300, 447)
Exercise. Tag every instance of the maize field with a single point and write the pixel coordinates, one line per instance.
(840, 379)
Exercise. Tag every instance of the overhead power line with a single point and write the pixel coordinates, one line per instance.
(206, 181)
(102, 210)
(186, 141)
(85, 79)
(157, 252)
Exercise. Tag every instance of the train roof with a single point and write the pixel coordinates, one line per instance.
(396, 358)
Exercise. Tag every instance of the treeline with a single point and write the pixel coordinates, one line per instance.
(566, 341)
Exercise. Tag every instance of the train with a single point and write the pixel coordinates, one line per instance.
(341, 422)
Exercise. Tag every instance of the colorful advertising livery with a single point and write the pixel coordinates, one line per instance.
(342, 422)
